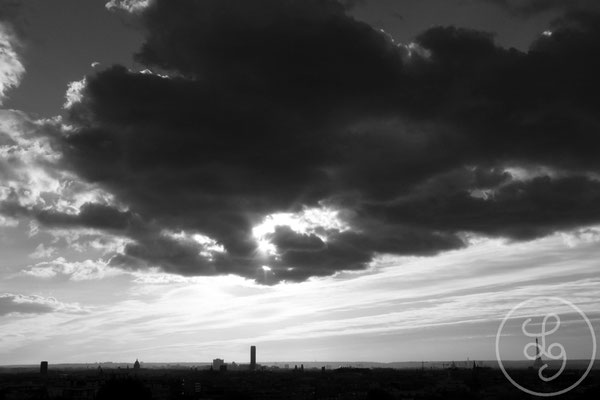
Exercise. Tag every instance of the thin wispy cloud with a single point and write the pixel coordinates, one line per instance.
(465, 292)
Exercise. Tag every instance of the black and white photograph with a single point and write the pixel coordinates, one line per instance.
(299, 199)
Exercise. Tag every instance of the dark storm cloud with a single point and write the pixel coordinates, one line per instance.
(303, 256)
(528, 8)
(9, 8)
(349, 4)
(10, 11)
(518, 210)
(168, 254)
(272, 106)
(535, 107)
(90, 215)
(287, 240)
(96, 216)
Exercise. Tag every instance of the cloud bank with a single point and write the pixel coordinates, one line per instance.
(528, 8)
(251, 110)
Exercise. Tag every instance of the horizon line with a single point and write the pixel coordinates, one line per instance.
(279, 362)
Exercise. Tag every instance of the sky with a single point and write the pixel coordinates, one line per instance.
(327, 180)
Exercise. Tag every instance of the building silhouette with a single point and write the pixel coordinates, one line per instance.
(252, 357)
(44, 367)
(136, 364)
(217, 364)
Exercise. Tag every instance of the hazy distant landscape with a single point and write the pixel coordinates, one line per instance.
(415, 365)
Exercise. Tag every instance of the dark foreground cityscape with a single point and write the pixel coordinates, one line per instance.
(220, 380)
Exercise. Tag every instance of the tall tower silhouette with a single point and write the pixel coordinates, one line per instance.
(252, 357)
(538, 358)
